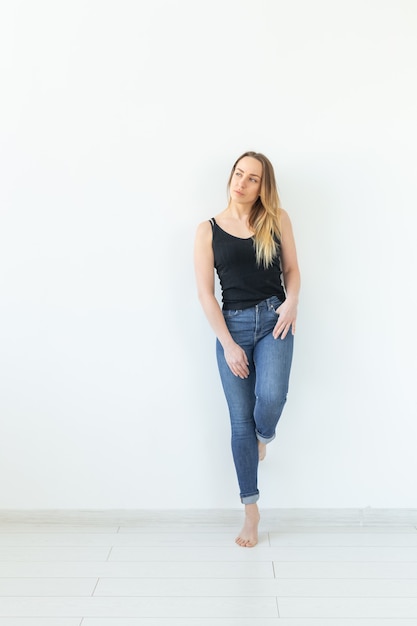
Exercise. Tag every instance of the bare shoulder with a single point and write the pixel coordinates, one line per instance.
(285, 218)
(204, 231)
(286, 226)
(204, 227)
(204, 235)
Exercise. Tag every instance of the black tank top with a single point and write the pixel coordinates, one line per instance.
(243, 282)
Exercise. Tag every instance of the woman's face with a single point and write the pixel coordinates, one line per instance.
(245, 185)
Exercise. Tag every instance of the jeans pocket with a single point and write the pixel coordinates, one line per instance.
(274, 303)
(228, 313)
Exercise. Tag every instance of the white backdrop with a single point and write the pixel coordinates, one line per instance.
(119, 124)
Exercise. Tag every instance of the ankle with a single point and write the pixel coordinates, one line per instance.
(252, 511)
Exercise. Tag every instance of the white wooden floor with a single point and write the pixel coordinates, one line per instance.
(181, 568)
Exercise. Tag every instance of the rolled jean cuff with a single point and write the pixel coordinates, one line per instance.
(265, 439)
(250, 499)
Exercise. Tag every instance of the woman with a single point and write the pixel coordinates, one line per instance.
(251, 246)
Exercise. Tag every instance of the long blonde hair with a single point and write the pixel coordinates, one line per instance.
(265, 215)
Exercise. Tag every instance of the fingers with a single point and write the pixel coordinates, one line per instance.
(282, 329)
(239, 367)
(286, 321)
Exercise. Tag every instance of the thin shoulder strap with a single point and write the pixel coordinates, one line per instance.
(212, 222)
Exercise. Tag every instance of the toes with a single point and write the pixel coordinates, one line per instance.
(245, 543)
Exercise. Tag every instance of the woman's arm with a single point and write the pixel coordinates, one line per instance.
(291, 275)
(204, 271)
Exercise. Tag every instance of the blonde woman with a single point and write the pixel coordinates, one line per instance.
(251, 246)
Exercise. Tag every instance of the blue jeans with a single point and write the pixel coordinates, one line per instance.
(255, 403)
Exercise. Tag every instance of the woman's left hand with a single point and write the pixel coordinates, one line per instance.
(287, 312)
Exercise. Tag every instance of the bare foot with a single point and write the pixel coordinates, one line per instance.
(261, 450)
(248, 536)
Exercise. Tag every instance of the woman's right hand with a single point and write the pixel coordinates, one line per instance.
(237, 360)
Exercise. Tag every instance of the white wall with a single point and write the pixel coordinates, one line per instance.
(119, 124)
